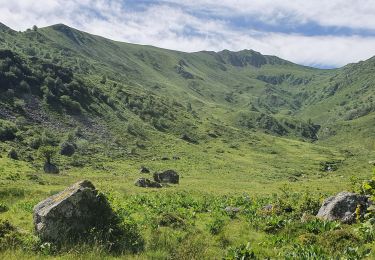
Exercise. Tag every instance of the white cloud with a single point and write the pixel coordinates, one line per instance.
(164, 25)
(342, 13)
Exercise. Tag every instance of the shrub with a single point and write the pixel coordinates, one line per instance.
(306, 252)
(67, 149)
(240, 252)
(9, 237)
(13, 154)
(71, 105)
(3, 207)
(47, 152)
(8, 130)
(339, 240)
(216, 225)
(171, 220)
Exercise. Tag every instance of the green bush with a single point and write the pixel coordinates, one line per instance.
(173, 220)
(8, 130)
(306, 252)
(3, 207)
(242, 252)
(12, 154)
(71, 105)
(216, 225)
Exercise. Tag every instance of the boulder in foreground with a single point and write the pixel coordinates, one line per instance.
(343, 206)
(72, 214)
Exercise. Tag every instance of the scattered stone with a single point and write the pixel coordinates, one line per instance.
(164, 158)
(268, 208)
(50, 168)
(68, 149)
(168, 176)
(147, 183)
(144, 169)
(372, 162)
(230, 209)
(343, 206)
(72, 213)
(176, 158)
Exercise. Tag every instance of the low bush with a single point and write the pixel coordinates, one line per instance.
(8, 130)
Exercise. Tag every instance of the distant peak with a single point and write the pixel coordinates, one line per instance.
(60, 27)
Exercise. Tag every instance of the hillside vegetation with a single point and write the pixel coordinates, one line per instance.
(241, 128)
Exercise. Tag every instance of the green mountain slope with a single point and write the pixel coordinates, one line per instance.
(256, 140)
(136, 98)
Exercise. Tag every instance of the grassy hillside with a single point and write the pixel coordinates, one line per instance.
(233, 124)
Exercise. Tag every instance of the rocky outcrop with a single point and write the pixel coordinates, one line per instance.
(168, 176)
(72, 214)
(344, 207)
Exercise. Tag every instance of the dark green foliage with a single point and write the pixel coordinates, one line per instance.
(71, 105)
(67, 149)
(216, 225)
(13, 154)
(306, 252)
(3, 207)
(47, 153)
(171, 220)
(8, 130)
(242, 252)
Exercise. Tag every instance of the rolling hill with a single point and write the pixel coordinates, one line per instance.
(228, 122)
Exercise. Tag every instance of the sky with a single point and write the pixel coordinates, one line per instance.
(319, 33)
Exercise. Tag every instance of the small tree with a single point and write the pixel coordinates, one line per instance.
(47, 152)
(35, 28)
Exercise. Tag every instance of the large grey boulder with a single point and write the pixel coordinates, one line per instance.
(342, 207)
(168, 176)
(72, 214)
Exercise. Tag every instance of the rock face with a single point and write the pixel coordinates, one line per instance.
(342, 207)
(72, 213)
(50, 168)
(168, 176)
(146, 183)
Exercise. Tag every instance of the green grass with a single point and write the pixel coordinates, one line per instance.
(231, 103)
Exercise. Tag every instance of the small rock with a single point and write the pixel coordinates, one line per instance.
(168, 176)
(144, 169)
(342, 207)
(268, 208)
(147, 183)
(176, 158)
(50, 168)
(230, 209)
(164, 158)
